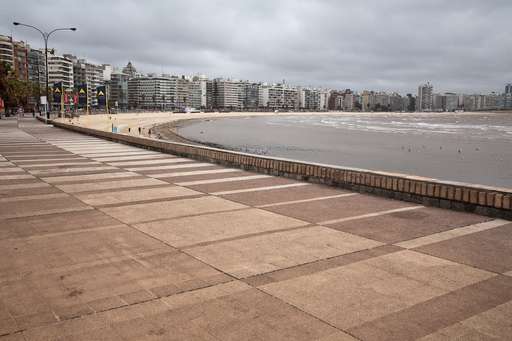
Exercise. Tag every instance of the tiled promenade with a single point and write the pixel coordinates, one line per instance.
(103, 241)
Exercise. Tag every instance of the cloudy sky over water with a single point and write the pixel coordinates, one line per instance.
(393, 45)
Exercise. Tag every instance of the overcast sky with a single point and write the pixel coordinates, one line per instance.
(392, 45)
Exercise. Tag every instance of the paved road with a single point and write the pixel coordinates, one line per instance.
(103, 241)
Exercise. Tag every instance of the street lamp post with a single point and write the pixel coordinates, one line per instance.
(46, 36)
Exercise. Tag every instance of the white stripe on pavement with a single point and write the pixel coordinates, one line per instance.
(259, 189)
(457, 232)
(215, 181)
(308, 200)
(369, 215)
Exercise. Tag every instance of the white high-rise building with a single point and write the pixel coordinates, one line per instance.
(277, 96)
(226, 94)
(6, 50)
(151, 93)
(60, 69)
(198, 92)
(425, 99)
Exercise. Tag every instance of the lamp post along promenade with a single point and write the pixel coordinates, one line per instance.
(46, 36)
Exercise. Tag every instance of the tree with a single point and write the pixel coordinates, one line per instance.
(13, 91)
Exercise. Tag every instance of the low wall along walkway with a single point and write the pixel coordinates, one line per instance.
(495, 202)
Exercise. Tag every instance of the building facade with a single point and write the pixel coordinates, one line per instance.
(118, 90)
(6, 50)
(451, 101)
(60, 69)
(198, 92)
(225, 94)
(89, 74)
(154, 93)
(425, 99)
(21, 50)
(130, 70)
(278, 97)
(507, 97)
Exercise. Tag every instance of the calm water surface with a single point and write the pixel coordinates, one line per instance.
(457, 147)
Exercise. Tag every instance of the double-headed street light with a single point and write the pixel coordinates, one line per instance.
(46, 36)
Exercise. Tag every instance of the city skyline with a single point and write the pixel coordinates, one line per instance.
(462, 48)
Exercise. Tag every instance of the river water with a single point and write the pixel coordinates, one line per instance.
(474, 148)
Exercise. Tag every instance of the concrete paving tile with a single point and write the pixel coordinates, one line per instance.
(74, 291)
(31, 321)
(323, 210)
(107, 303)
(473, 306)
(374, 288)
(138, 296)
(13, 337)
(156, 161)
(458, 331)
(270, 252)
(113, 184)
(170, 170)
(42, 156)
(321, 265)
(65, 249)
(264, 188)
(249, 176)
(52, 159)
(453, 233)
(113, 154)
(170, 209)
(8, 326)
(228, 186)
(183, 177)
(52, 164)
(26, 185)
(64, 171)
(9, 191)
(494, 322)
(234, 311)
(72, 311)
(76, 178)
(490, 249)
(54, 223)
(38, 207)
(11, 170)
(140, 194)
(16, 176)
(137, 158)
(21, 198)
(400, 226)
(10, 183)
(190, 172)
(217, 226)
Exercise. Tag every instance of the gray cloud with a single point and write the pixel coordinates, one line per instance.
(459, 45)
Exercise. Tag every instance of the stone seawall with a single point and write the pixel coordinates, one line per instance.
(490, 201)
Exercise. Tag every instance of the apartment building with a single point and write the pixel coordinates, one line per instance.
(118, 90)
(6, 50)
(152, 92)
(197, 94)
(60, 69)
(425, 99)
